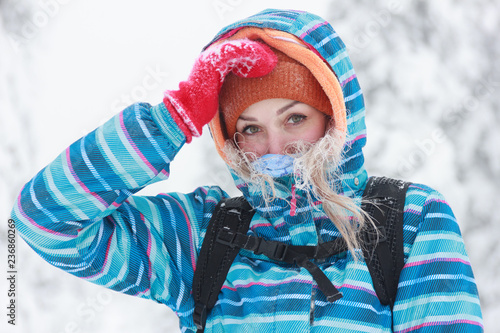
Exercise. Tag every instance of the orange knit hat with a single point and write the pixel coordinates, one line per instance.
(289, 79)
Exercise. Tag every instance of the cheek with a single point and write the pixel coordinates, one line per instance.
(314, 132)
(318, 134)
(244, 146)
(251, 147)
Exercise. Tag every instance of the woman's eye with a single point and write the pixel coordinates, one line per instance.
(251, 130)
(296, 118)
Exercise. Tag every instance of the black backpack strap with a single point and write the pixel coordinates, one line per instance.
(215, 258)
(280, 251)
(384, 200)
(291, 254)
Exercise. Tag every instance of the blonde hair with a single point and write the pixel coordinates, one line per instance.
(316, 171)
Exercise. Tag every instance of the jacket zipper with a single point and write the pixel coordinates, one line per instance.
(313, 304)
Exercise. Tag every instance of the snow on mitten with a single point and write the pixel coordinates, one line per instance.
(196, 101)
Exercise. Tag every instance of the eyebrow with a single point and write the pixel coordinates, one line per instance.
(286, 107)
(278, 112)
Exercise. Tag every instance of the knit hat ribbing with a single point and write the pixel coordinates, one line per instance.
(289, 79)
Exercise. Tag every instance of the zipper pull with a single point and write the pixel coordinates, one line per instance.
(293, 202)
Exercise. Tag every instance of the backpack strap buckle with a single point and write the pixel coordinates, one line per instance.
(226, 237)
(271, 249)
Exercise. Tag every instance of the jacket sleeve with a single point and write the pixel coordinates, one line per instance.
(437, 291)
(80, 212)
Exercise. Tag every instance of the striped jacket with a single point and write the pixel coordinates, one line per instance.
(81, 214)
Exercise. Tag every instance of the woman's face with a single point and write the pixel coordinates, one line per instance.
(268, 126)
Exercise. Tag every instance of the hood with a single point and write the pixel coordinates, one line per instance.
(291, 28)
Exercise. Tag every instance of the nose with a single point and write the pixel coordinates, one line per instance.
(276, 143)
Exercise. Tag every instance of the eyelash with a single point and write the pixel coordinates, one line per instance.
(246, 128)
(302, 118)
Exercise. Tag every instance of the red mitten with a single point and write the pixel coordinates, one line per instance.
(196, 101)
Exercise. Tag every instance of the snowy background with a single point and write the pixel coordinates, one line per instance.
(429, 71)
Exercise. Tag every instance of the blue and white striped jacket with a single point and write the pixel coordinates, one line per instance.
(81, 215)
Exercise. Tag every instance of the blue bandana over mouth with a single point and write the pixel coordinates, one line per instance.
(274, 165)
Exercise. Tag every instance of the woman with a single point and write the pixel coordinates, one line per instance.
(286, 114)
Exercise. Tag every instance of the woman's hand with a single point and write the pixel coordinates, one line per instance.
(196, 101)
